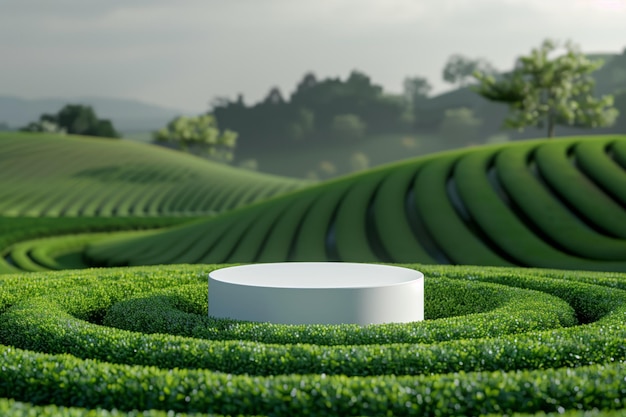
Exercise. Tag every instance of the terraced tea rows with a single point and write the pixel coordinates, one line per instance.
(552, 204)
(42, 243)
(51, 175)
(495, 340)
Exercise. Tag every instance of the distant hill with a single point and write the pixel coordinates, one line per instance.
(68, 176)
(126, 115)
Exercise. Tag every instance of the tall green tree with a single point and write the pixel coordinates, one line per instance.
(545, 91)
(198, 135)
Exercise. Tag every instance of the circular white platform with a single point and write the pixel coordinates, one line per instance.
(317, 293)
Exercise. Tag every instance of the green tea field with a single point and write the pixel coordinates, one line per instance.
(59, 176)
(557, 204)
(106, 246)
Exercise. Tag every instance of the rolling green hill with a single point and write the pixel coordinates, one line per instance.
(58, 175)
(554, 204)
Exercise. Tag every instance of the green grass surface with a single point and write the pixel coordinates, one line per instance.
(552, 204)
(53, 175)
(494, 341)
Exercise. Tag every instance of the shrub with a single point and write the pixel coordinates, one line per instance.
(496, 340)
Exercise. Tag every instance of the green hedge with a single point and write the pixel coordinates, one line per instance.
(556, 221)
(495, 340)
(11, 408)
(15, 231)
(596, 163)
(510, 234)
(595, 206)
(391, 222)
(351, 240)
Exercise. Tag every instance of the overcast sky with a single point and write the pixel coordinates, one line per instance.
(183, 53)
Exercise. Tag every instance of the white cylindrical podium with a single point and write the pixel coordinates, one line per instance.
(317, 293)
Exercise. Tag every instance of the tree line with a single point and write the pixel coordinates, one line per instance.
(76, 119)
(329, 110)
(317, 111)
(543, 90)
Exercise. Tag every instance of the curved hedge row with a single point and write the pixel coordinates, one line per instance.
(495, 341)
(53, 175)
(551, 204)
(42, 243)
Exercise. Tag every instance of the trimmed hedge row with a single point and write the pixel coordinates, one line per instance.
(562, 350)
(556, 221)
(29, 329)
(40, 377)
(15, 231)
(594, 161)
(392, 226)
(510, 234)
(487, 311)
(594, 206)
(527, 204)
(12, 408)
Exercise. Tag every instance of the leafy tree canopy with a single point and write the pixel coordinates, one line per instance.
(459, 69)
(309, 114)
(543, 91)
(199, 135)
(74, 119)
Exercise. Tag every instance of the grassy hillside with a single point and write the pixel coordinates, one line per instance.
(58, 175)
(553, 204)
(495, 341)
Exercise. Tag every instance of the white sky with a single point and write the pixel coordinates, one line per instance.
(183, 53)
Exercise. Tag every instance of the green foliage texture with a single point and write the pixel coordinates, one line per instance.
(199, 135)
(138, 340)
(77, 119)
(545, 91)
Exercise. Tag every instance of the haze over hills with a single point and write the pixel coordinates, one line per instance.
(126, 115)
(132, 116)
